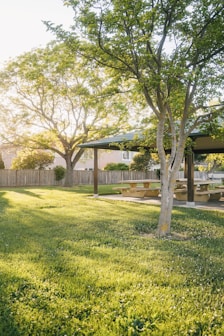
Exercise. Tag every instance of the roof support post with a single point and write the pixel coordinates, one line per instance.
(95, 173)
(189, 160)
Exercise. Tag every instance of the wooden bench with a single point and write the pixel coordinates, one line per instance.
(152, 192)
(121, 188)
(138, 191)
(181, 194)
(200, 196)
(211, 195)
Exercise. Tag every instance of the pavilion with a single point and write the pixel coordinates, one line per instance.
(203, 144)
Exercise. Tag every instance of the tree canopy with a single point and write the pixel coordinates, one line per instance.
(172, 51)
(214, 162)
(53, 99)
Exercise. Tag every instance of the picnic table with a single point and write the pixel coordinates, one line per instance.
(202, 193)
(144, 188)
(139, 188)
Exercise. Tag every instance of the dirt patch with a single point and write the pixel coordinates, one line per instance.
(178, 236)
(172, 236)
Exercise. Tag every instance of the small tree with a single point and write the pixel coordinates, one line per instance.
(32, 159)
(174, 52)
(141, 162)
(214, 162)
(2, 165)
(59, 172)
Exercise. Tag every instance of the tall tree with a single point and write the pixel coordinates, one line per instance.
(52, 99)
(174, 51)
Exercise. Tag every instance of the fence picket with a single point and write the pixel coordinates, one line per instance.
(29, 177)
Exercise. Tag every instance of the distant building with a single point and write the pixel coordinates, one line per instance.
(9, 152)
(104, 157)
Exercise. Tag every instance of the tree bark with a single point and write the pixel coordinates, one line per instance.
(168, 175)
(68, 174)
(164, 224)
(70, 165)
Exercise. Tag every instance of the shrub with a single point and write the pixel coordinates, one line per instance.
(32, 159)
(59, 172)
(143, 161)
(116, 166)
(2, 165)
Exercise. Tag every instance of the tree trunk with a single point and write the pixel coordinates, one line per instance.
(68, 175)
(164, 224)
(168, 174)
(70, 165)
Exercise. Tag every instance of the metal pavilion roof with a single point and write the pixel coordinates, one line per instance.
(132, 141)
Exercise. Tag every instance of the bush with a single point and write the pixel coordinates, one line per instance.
(116, 166)
(32, 159)
(141, 162)
(59, 172)
(2, 165)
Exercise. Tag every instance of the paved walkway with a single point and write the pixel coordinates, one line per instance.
(218, 205)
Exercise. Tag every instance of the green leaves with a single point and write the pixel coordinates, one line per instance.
(167, 46)
(32, 159)
(62, 94)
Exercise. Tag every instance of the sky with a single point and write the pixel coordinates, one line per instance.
(21, 26)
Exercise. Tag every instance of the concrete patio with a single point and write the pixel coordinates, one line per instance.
(215, 206)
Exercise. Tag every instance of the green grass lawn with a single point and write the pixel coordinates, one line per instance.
(74, 265)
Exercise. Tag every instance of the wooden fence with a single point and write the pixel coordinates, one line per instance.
(110, 177)
(29, 177)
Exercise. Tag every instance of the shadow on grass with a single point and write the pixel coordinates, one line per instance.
(27, 192)
(7, 323)
(4, 203)
(89, 251)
